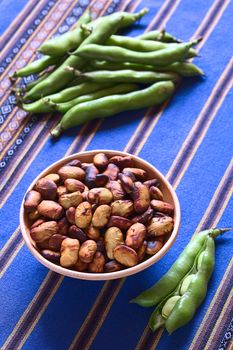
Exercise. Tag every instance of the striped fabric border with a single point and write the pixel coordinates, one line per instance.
(26, 17)
(39, 16)
(223, 319)
(227, 340)
(16, 23)
(46, 28)
(25, 131)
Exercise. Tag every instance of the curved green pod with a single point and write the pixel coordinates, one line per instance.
(107, 106)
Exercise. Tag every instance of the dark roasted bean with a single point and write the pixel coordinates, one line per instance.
(91, 172)
(51, 256)
(32, 199)
(76, 232)
(119, 222)
(55, 242)
(70, 215)
(122, 162)
(126, 182)
(47, 188)
(144, 217)
(112, 171)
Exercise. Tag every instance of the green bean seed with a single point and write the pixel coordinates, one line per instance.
(169, 305)
(199, 261)
(185, 284)
(106, 106)
(117, 54)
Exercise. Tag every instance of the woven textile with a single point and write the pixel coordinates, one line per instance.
(190, 139)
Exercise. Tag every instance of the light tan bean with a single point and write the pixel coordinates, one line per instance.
(69, 252)
(83, 215)
(87, 251)
(101, 216)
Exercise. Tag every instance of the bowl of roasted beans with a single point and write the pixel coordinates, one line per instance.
(99, 215)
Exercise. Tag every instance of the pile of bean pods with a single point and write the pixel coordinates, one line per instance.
(90, 72)
(183, 288)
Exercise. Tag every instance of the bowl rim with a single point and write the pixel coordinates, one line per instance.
(105, 275)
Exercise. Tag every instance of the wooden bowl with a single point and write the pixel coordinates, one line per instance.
(169, 196)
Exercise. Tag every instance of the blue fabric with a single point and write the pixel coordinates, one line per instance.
(10, 9)
(49, 317)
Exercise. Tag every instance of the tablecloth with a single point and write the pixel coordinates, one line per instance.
(190, 140)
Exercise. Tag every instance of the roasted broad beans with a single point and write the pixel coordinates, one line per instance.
(98, 217)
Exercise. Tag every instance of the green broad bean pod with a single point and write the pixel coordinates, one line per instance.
(73, 91)
(170, 281)
(44, 104)
(166, 305)
(107, 106)
(159, 35)
(71, 40)
(136, 44)
(187, 305)
(60, 78)
(127, 75)
(38, 66)
(117, 54)
(185, 69)
(141, 45)
(40, 77)
(66, 42)
(111, 90)
(127, 19)
(47, 105)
